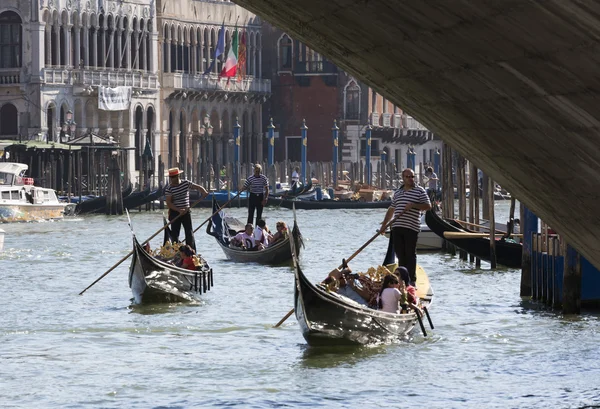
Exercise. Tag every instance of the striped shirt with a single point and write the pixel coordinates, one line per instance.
(180, 193)
(257, 184)
(412, 218)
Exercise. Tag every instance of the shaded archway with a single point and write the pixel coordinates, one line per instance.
(9, 124)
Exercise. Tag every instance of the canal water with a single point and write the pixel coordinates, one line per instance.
(58, 349)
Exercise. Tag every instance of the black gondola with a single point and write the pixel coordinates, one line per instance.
(334, 204)
(221, 228)
(507, 253)
(98, 204)
(291, 193)
(327, 318)
(138, 199)
(152, 280)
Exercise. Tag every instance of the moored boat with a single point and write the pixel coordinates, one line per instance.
(222, 228)
(153, 280)
(334, 204)
(327, 318)
(507, 253)
(21, 201)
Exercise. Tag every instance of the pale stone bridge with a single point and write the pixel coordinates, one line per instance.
(511, 84)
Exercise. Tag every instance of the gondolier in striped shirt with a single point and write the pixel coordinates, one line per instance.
(178, 202)
(407, 204)
(258, 187)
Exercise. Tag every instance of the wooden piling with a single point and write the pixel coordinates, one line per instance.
(492, 223)
(571, 299)
(462, 195)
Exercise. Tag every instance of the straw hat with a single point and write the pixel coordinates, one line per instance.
(174, 172)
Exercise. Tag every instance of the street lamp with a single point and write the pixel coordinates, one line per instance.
(68, 126)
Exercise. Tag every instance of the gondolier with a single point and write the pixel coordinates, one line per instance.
(408, 203)
(258, 187)
(178, 202)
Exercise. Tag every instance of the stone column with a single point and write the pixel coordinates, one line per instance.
(111, 48)
(192, 59)
(57, 30)
(102, 61)
(119, 48)
(128, 49)
(136, 42)
(37, 55)
(94, 61)
(144, 50)
(167, 41)
(48, 46)
(86, 44)
(77, 50)
(68, 62)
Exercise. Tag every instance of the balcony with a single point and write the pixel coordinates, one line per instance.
(199, 82)
(10, 76)
(101, 78)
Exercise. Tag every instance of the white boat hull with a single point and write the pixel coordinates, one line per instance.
(428, 240)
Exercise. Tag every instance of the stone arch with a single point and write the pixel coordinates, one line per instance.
(91, 115)
(285, 52)
(352, 97)
(139, 138)
(78, 115)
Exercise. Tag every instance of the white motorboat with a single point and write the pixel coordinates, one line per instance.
(21, 201)
(428, 240)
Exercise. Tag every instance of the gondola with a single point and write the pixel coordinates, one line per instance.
(327, 318)
(98, 204)
(138, 199)
(221, 228)
(507, 253)
(152, 280)
(221, 196)
(291, 193)
(334, 204)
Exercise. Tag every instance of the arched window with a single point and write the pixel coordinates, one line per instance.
(285, 52)
(10, 40)
(352, 101)
(8, 120)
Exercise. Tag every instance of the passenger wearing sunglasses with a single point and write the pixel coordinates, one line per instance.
(407, 204)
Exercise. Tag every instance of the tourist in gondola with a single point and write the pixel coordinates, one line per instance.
(407, 204)
(257, 185)
(346, 285)
(177, 193)
(261, 233)
(404, 277)
(280, 234)
(187, 257)
(246, 240)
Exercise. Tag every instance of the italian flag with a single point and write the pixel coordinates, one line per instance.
(230, 67)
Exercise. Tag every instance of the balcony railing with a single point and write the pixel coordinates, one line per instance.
(10, 76)
(214, 83)
(135, 79)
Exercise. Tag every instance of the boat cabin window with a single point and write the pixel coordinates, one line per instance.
(6, 195)
(6, 178)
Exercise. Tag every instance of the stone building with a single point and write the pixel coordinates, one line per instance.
(57, 56)
(305, 85)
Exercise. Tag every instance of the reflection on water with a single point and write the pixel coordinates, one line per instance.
(332, 356)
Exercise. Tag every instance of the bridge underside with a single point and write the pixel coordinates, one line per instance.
(511, 84)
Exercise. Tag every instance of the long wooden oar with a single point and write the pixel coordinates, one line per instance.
(467, 235)
(383, 228)
(150, 238)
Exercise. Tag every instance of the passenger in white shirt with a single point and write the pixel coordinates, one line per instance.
(245, 239)
(262, 236)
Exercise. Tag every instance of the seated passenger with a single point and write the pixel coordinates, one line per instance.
(347, 286)
(390, 297)
(245, 239)
(404, 277)
(261, 233)
(281, 234)
(187, 257)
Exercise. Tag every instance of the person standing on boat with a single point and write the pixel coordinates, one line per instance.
(178, 202)
(295, 179)
(432, 182)
(407, 204)
(258, 187)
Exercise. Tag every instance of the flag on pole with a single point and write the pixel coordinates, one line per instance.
(219, 49)
(230, 67)
(242, 56)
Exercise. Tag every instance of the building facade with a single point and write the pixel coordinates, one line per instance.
(57, 55)
(305, 85)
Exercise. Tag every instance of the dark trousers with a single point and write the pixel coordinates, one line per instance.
(255, 203)
(186, 221)
(405, 247)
